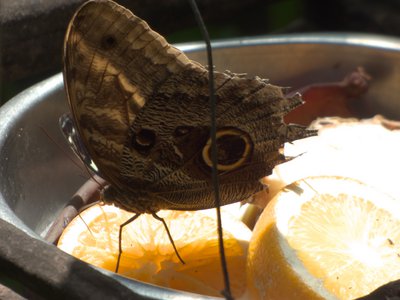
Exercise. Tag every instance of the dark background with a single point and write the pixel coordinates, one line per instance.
(32, 31)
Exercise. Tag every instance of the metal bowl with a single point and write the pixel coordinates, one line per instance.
(38, 177)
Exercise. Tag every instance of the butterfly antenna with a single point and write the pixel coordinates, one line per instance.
(63, 151)
(121, 227)
(169, 236)
(67, 126)
(215, 181)
(86, 224)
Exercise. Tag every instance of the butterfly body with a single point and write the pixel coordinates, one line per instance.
(141, 108)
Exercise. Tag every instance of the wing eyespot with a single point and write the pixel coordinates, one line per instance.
(143, 140)
(108, 42)
(234, 149)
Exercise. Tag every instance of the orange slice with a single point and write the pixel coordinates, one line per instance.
(148, 254)
(362, 149)
(324, 238)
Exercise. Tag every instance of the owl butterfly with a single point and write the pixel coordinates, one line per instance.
(141, 108)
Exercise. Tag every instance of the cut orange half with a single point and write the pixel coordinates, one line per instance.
(324, 238)
(148, 254)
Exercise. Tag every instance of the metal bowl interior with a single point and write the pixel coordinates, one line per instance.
(38, 173)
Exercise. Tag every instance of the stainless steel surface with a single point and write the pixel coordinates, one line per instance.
(37, 175)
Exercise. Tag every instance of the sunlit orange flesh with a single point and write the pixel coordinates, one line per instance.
(148, 254)
(325, 237)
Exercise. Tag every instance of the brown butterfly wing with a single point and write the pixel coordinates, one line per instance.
(250, 113)
(113, 63)
(141, 107)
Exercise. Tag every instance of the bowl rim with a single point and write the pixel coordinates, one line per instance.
(28, 98)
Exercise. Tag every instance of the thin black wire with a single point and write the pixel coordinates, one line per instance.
(213, 133)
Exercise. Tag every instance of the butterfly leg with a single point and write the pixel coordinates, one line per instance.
(169, 236)
(121, 227)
